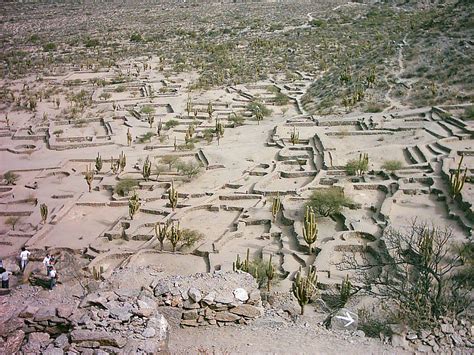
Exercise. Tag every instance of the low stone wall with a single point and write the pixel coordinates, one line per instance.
(211, 299)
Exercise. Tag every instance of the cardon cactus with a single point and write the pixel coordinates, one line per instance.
(174, 236)
(295, 136)
(122, 161)
(345, 290)
(44, 212)
(151, 119)
(303, 288)
(457, 179)
(189, 106)
(133, 205)
(89, 177)
(270, 272)
(98, 163)
(146, 171)
(129, 137)
(258, 115)
(210, 110)
(161, 232)
(276, 206)
(173, 196)
(219, 130)
(242, 265)
(310, 228)
(159, 127)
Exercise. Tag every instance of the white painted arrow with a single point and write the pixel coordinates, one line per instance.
(348, 318)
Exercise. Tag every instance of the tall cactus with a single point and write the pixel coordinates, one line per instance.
(173, 196)
(159, 127)
(303, 288)
(122, 161)
(362, 164)
(345, 290)
(161, 232)
(219, 130)
(258, 115)
(133, 205)
(44, 212)
(129, 137)
(174, 236)
(270, 272)
(189, 106)
(98, 163)
(295, 136)
(310, 228)
(89, 176)
(276, 206)
(151, 119)
(457, 179)
(146, 171)
(210, 110)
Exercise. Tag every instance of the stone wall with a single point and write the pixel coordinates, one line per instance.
(211, 299)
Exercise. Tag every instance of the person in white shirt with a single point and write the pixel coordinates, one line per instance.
(24, 258)
(5, 277)
(46, 263)
(52, 277)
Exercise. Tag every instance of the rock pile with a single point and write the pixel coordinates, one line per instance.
(450, 334)
(125, 321)
(211, 299)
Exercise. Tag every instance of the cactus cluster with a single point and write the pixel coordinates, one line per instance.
(245, 265)
(303, 288)
(173, 196)
(133, 205)
(310, 228)
(146, 171)
(345, 291)
(89, 176)
(457, 179)
(295, 136)
(122, 161)
(276, 206)
(98, 163)
(44, 212)
(97, 274)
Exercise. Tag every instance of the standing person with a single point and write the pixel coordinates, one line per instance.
(46, 263)
(24, 258)
(52, 277)
(5, 278)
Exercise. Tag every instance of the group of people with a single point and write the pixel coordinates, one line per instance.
(49, 262)
(51, 272)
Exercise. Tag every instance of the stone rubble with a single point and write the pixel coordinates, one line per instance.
(211, 299)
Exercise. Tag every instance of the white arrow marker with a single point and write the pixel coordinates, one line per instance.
(348, 318)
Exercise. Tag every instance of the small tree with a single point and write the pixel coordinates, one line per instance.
(328, 201)
(359, 166)
(12, 221)
(11, 178)
(170, 160)
(419, 274)
(189, 169)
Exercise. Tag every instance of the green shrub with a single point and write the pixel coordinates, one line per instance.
(256, 106)
(329, 201)
(49, 47)
(171, 124)
(146, 137)
(392, 165)
(281, 99)
(11, 178)
(125, 186)
(189, 169)
(136, 37)
(468, 114)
